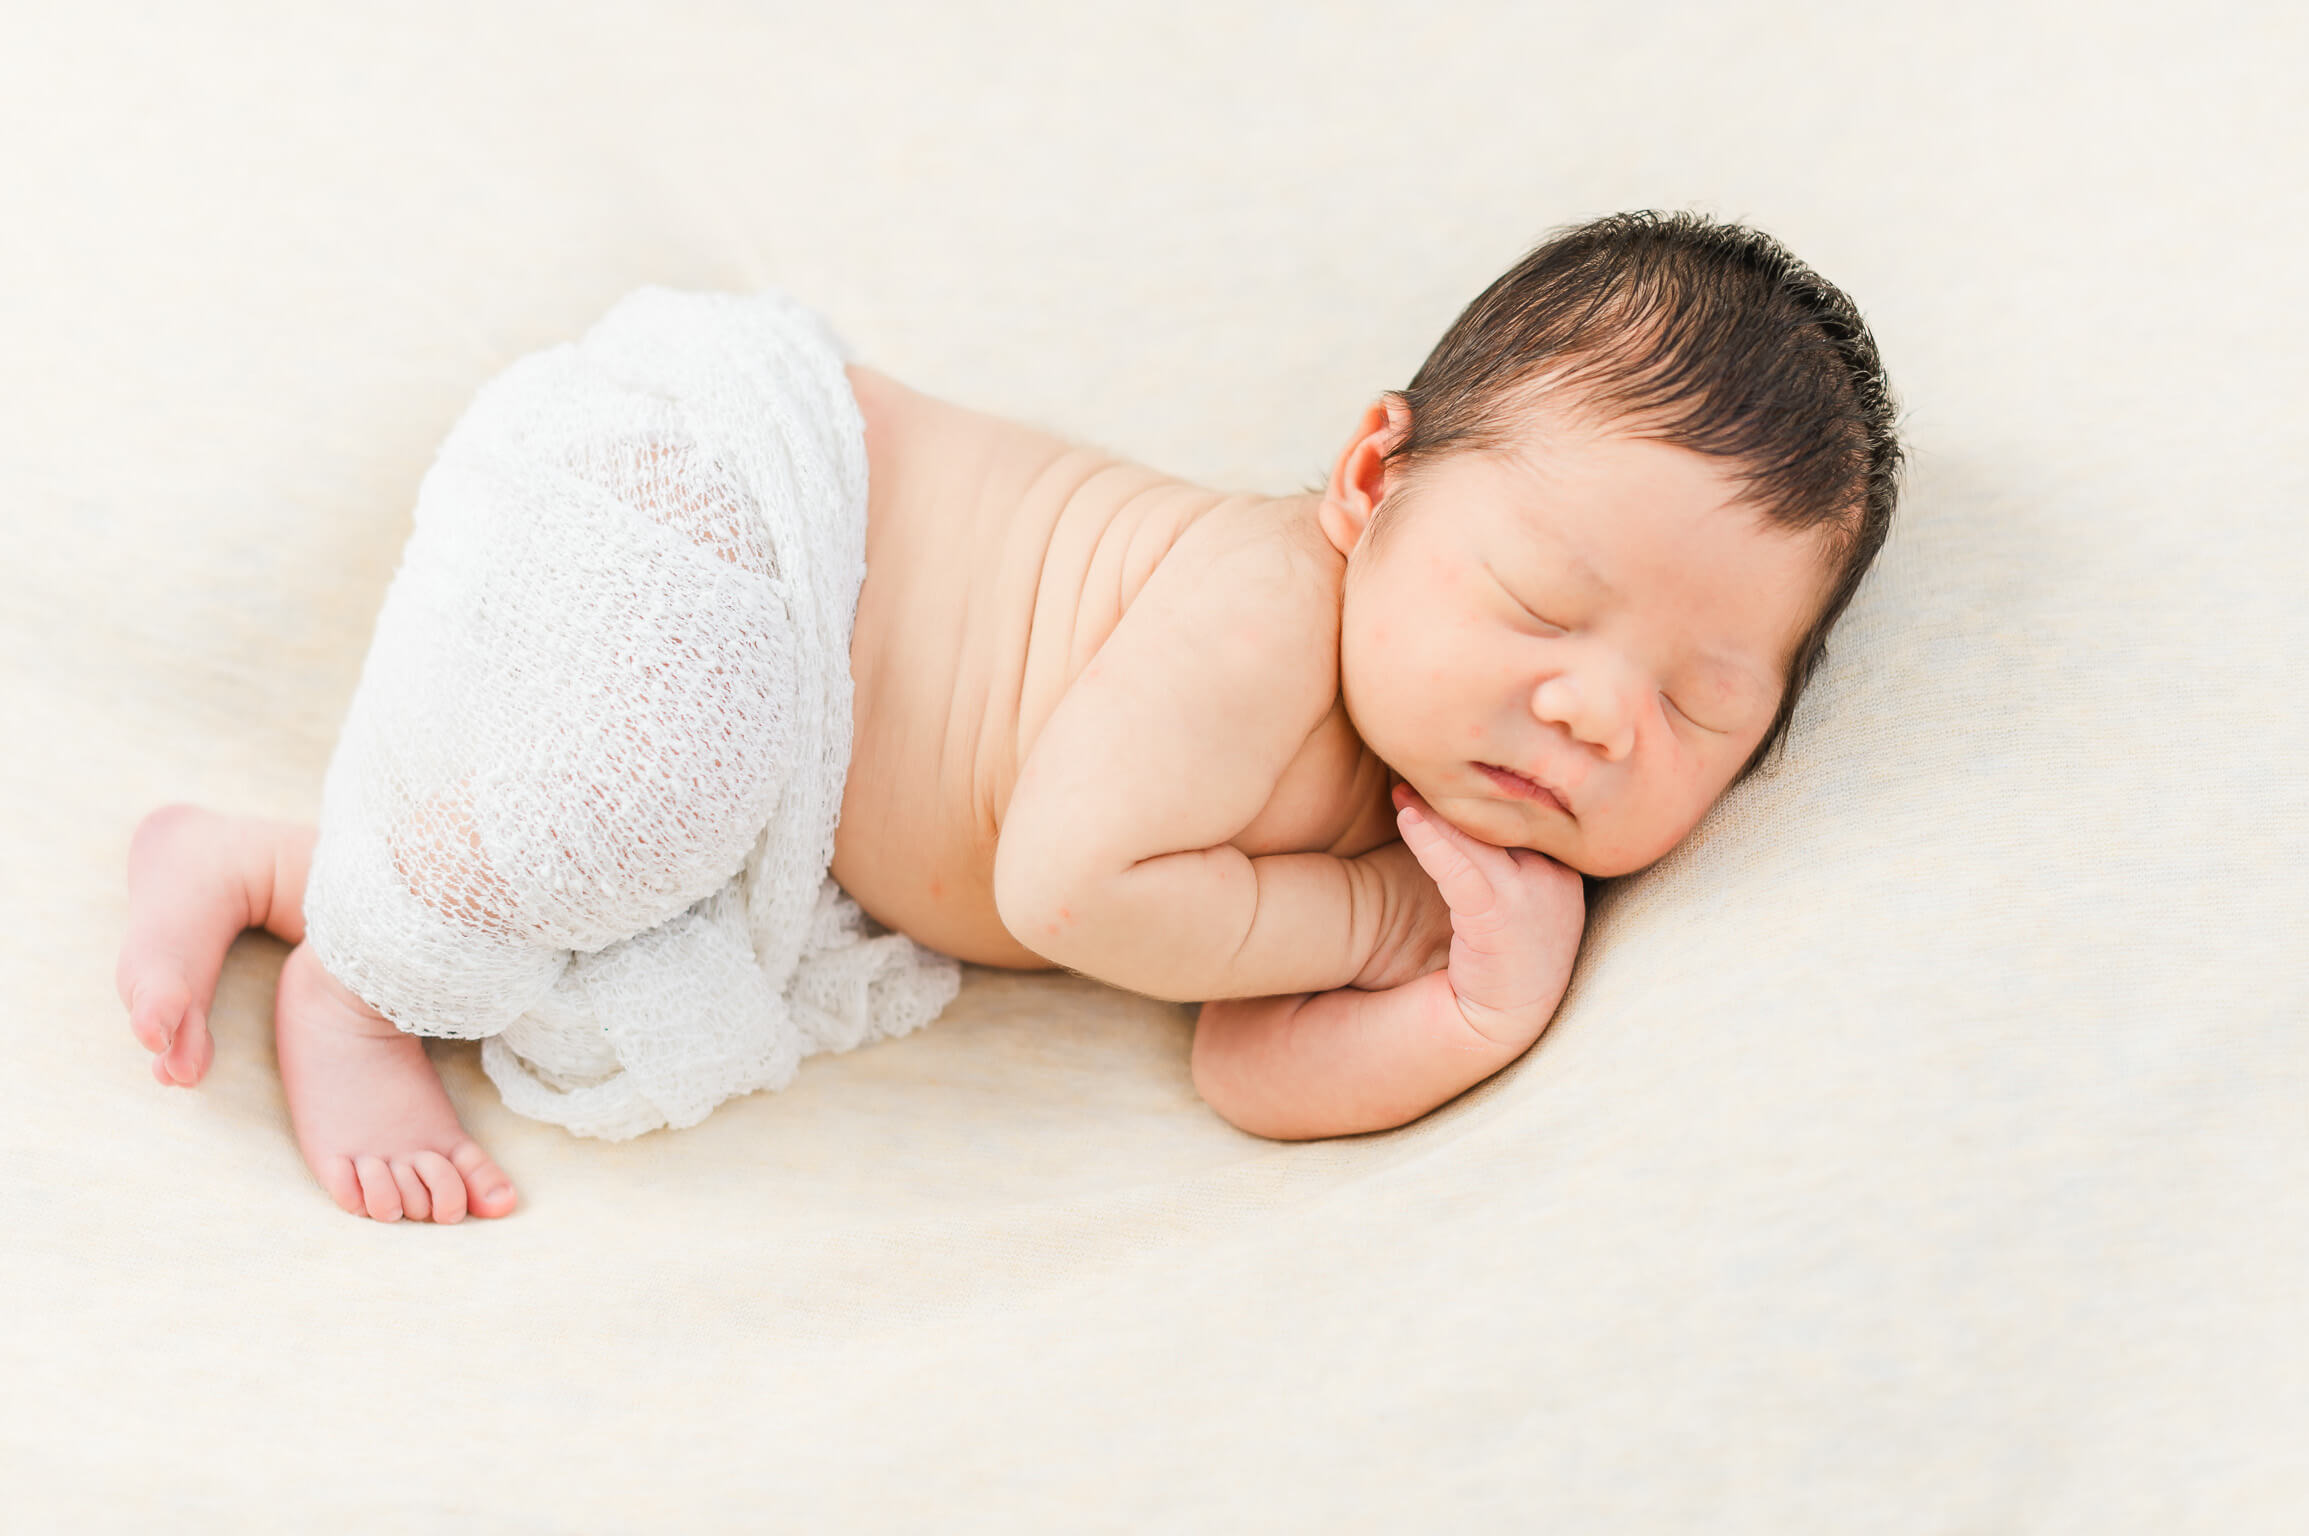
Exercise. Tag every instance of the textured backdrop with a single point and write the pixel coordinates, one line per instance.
(1924, 1146)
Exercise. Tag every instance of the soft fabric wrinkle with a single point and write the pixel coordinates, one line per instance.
(583, 806)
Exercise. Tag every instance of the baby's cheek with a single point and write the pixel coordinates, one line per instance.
(1669, 817)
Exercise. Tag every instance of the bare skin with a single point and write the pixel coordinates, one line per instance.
(1564, 646)
(999, 560)
(370, 1115)
(1188, 804)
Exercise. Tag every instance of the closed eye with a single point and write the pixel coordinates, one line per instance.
(1542, 619)
(1536, 615)
(1703, 725)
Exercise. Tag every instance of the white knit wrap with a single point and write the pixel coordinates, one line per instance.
(584, 801)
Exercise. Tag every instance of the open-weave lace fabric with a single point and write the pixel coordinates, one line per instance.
(584, 801)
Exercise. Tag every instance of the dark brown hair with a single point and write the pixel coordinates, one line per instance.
(1706, 335)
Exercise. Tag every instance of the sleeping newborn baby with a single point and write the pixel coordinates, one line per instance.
(729, 695)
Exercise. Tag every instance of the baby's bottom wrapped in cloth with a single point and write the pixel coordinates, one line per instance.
(584, 802)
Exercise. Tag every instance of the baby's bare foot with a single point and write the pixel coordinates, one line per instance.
(370, 1114)
(195, 880)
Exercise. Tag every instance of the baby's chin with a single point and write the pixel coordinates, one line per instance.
(1505, 825)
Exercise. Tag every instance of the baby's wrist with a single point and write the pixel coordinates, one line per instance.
(1409, 931)
(1510, 1030)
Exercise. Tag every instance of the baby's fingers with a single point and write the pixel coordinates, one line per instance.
(1442, 850)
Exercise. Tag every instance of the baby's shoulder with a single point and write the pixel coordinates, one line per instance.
(1239, 604)
(1241, 612)
(1263, 550)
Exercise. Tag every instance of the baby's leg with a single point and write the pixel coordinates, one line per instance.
(370, 1115)
(195, 881)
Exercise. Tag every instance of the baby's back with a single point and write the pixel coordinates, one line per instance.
(998, 560)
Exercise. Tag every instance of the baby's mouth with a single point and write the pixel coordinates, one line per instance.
(1522, 788)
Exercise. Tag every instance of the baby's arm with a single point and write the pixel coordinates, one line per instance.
(1340, 1062)
(1345, 1061)
(1114, 858)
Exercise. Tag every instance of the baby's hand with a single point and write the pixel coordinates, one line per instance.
(1516, 918)
(1415, 931)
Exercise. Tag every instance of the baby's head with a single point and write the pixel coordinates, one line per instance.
(1601, 538)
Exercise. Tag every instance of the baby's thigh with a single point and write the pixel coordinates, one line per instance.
(589, 676)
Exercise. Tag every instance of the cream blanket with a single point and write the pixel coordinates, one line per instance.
(1923, 1148)
(585, 799)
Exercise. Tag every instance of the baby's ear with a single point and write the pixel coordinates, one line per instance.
(1359, 481)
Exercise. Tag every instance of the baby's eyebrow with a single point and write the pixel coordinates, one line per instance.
(1586, 574)
(1556, 549)
(1734, 669)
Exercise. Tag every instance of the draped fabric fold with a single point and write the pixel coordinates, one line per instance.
(584, 801)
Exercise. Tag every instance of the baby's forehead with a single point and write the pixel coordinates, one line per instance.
(1665, 529)
(1559, 475)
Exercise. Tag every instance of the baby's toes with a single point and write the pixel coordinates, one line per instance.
(380, 1196)
(489, 1192)
(155, 1009)
(444, 1184)
(342, 1183)
(416, 1202)
(187, 1058)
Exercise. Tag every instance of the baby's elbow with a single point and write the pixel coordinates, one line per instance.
(1028, 900)
(1220, 1088)
(1086, 921)
(1221, 1065)
(1055, 916)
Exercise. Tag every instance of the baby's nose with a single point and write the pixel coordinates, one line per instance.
(1591, 709)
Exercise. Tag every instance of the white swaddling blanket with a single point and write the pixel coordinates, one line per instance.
(585, 797)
